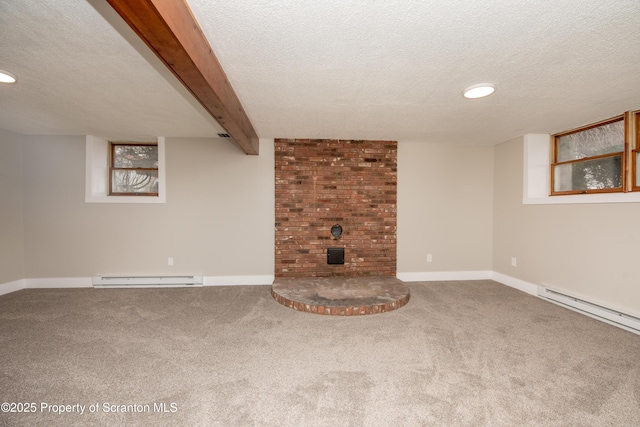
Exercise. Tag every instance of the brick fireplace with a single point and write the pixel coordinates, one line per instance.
(321, 183)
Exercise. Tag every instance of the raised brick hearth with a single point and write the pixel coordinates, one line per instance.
(320, 183)
(341, 296)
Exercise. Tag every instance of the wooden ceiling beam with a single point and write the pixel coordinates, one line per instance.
(170, 30)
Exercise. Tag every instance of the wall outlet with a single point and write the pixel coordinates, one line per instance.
(170, 261)
(514, 262)
(429, 258)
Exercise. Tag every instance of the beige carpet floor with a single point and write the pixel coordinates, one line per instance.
(459, 354)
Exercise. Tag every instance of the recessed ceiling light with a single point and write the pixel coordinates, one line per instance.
(7, 77)
(479, 90)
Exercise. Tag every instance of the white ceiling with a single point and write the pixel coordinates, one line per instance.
(364, 69)
(80, 74)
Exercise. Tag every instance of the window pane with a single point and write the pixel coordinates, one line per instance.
(638, 169)
(135, 156)
(605, 139)
(134, 181)
(595, 174)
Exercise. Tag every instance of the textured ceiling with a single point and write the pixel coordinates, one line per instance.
(364, 69)
(396, 69)
(81, 70)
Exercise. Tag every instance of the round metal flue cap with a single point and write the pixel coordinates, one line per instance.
(336, 231)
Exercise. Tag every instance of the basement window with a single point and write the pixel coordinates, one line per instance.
(596, 158)
(133, 169)
(117, 172)
(590, 159)
(634, 121)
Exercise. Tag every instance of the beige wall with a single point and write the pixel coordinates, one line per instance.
(462, 204)
(11, 208)
(588, 250)
(218, 219)
(219, 215)
(445, 207)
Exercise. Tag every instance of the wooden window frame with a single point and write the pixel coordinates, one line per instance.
(623, 153)
(112, 168)
(632, 131)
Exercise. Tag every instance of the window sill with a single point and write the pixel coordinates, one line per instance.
(124, 199)
(583, 198)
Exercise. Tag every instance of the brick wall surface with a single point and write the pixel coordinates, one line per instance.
(320, 183)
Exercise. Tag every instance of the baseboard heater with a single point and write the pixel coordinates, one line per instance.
(616, 318)
(146, 281)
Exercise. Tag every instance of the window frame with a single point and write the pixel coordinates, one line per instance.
(632, 131)
(112, 168)
(97, 174)
(624, 158)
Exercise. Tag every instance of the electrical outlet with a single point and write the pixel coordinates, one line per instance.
(514, 262)
(170, 261)
(429, 258)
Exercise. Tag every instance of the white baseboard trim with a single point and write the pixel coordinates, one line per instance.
(512, 282)
(238, 280)
(16, 285)
(59, 282)
(87, 282)
(436, 276)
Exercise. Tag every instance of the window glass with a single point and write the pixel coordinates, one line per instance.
(134, 169)
(636, 154)
(598, 174)
(637, 163)
(134, 181)
(596, 141)
(135, 156)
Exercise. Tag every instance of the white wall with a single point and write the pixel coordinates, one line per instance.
(445, 207)
(218, 219)
(11, 208)
(587, 250)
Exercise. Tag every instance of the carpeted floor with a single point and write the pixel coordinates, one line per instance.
(459, 354)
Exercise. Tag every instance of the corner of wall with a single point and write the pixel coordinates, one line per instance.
(12, 230)
(16, 285)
